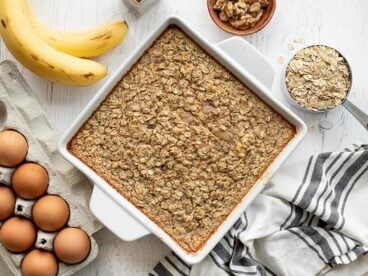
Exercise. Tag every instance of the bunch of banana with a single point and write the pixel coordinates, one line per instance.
(56, 56)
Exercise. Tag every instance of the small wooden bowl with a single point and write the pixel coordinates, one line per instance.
(266, 18)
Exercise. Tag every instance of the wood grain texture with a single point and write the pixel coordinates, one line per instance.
(340, 23)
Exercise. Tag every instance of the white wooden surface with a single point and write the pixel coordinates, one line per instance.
(339, 23)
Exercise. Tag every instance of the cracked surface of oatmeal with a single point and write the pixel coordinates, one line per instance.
(182, 139)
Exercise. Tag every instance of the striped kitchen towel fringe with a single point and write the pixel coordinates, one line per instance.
(312, 219)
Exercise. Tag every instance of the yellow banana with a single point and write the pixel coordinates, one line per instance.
(90, 43)
(34, 53)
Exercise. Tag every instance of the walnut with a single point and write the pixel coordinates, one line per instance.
(229, 9)
(241, 8)
(259, 15)
(255, 7)
(241, 14)
(223, 16)
(264, 3)
(245, 22)
(220, 4)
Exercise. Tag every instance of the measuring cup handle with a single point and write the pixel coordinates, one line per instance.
(361, 116)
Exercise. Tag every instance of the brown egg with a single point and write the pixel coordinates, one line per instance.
(7, 202)
(39, 263)
(13, 148)
(17, 234)
(50, 213)
(72, 245)
(30, 181)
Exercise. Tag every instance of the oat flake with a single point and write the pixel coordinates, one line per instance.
(281, 60)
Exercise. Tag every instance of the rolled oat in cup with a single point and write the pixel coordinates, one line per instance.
(318, 78)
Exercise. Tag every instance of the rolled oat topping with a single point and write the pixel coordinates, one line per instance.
(241, 14)
(182, 139)
(318, 78)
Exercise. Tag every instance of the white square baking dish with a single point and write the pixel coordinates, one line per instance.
(121, 216)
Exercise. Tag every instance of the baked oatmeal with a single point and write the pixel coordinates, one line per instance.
(182, 139)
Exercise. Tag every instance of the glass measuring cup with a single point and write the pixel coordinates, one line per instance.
(354, 110)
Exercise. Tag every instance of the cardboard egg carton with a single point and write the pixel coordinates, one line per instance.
(23, 113)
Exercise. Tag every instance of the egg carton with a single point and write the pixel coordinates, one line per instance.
(23, 113)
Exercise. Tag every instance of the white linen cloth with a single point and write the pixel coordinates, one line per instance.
(312, 219)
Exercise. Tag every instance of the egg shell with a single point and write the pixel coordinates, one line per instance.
(17, 234)
(72, 245)
(7, 202)
(30, 181)
(39, 263)
(50, 213)
(13, 148)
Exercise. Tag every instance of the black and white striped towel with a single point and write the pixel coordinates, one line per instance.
(311, 220)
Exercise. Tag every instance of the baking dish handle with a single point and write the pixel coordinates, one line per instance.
(114, 217)
(249, 58)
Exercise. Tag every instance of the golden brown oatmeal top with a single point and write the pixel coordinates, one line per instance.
(182, 139)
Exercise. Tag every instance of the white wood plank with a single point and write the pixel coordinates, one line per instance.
(338, 23)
